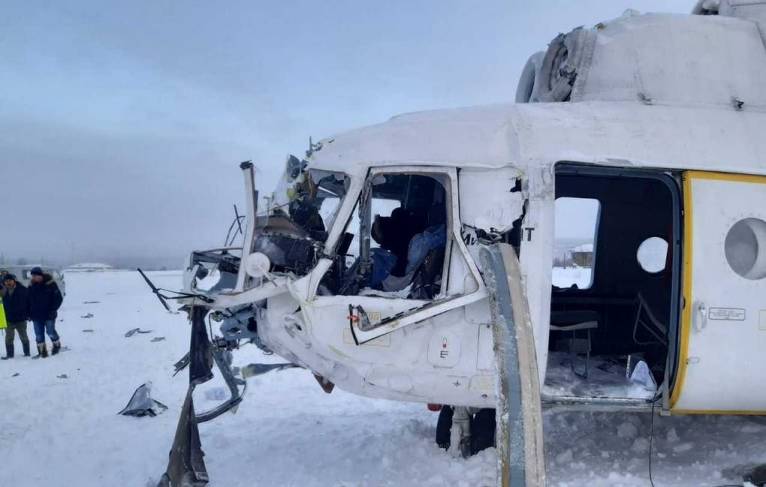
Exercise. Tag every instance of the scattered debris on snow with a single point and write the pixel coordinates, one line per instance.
(141, 403)
(133, 331)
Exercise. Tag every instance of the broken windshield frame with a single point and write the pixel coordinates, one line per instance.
(308, 198)
(291, 233)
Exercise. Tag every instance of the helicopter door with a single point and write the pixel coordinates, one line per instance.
(723, 331)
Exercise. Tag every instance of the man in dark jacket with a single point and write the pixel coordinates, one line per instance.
(16, 304)
(44, 301)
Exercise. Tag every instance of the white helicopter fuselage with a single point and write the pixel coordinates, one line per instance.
(673, 106)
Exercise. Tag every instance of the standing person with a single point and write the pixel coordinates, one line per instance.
(3, 273)
(16, 304)
(44, 301)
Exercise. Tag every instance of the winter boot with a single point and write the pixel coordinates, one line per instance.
(8, 351)
(42, 351)
(56, 347)
(25, 346)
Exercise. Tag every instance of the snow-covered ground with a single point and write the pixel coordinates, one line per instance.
(606, 378)
(59, 427)
(565, 277)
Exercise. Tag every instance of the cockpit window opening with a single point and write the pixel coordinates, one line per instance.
(395, 242)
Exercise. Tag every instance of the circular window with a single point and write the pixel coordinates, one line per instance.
(744, 247)
(652, 254)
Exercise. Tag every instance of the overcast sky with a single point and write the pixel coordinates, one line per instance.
(121, 125)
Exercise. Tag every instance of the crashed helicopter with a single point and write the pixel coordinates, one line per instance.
(414, 260)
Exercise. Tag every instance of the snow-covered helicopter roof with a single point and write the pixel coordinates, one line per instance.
(653, 90)
(473, 135)
(541, 134)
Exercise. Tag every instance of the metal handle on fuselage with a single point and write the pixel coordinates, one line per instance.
(699, 317)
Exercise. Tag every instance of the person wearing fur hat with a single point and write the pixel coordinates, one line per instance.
(44, 301)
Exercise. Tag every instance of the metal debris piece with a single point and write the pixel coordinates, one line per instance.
(141, 403)
(257, 369)
(132, 332)
(326, 385)
(181, 364)
(187, 465)
(86, 316)
(157, 339)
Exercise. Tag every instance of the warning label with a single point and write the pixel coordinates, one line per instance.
(726, 314)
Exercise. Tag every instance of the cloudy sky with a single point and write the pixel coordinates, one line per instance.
(122, 123)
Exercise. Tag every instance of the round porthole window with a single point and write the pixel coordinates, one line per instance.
(745, 248)
(652, 254)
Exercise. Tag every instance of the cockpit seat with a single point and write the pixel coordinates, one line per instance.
(421, 244)
(574, 321)
(423, 248)
(426, 283)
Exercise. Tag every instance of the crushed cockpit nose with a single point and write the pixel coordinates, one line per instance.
(142, 404)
